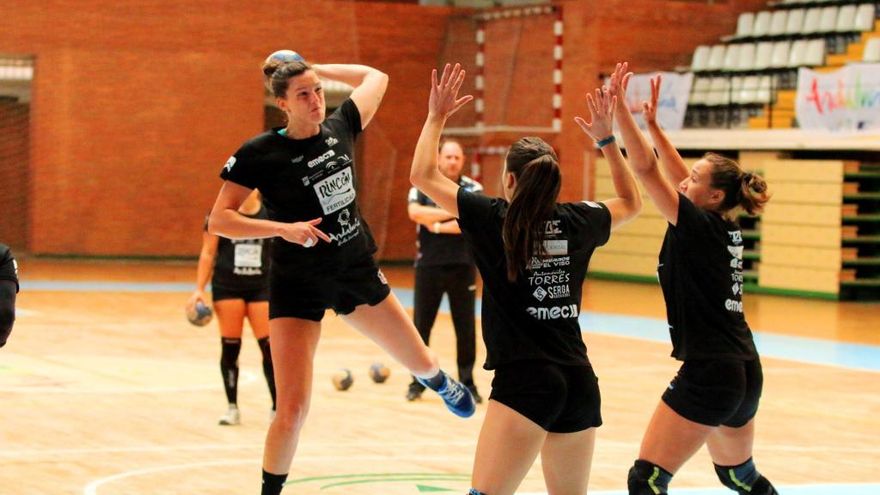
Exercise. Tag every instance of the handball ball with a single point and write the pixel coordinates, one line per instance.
(342, 380)
(285, 56)
(379, 372)
(200, 315)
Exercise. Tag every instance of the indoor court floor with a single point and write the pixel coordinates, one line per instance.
(106, 389)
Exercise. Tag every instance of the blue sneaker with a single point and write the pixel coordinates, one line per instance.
(457, 397)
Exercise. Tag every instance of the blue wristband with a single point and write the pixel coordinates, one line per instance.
(605, 142)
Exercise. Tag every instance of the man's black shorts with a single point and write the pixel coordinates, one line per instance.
(559, 399)
(307, 293)
(716, 392)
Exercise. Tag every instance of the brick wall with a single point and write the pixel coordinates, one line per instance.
(136, 105)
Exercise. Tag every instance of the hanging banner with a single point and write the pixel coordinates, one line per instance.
(674, 91)
(843, 100)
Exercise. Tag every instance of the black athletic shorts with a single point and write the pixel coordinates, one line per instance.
(307, 294)
(716, 392)
(249, 295)
(559, 399)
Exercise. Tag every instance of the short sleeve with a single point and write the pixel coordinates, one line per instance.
(597, 218)
(474, 210)
(242, 168)
(413, 196)
(349, 115)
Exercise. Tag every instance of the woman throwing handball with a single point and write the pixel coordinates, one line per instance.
(324, 257)
(532, 253)
(714, 397)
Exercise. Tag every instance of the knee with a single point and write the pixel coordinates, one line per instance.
(290, 417)
(646, 478)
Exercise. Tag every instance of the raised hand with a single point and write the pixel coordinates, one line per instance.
(444, 100)
(618, 83)
(601, 106)
(650, 108)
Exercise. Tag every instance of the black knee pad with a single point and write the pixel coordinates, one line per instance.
(744, 479)
(646, 478)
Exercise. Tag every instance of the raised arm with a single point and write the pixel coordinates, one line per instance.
(628, 202)
(673, 166)
(369, 85)
(640, 154)
(225, 220)
(442, 103)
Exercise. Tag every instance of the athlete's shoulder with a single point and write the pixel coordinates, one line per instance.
(470, 184)
(261, 142)
(5, 253)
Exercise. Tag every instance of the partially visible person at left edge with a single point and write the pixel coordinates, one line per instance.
(8, 290)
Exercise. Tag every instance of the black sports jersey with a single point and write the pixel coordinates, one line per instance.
(303, 179)
(700, 271)
(242, 264)
(536, 316)
(442, 249)
(8, 267)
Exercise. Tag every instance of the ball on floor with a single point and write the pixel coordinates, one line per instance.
(343, 380)
(379, 372)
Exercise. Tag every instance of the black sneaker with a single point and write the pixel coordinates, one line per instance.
(414, 392)
(477, 397)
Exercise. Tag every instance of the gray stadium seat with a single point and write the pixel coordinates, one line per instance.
(872, 50)
(762, 24)
(778, 23)
(795, 22)
(701, 58)
(864, 20)
(828, 22)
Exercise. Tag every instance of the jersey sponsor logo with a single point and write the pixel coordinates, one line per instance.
(549, 278)
(382, 277)
(335, 192)
(735, 236)
(297, 159)
(556, 247)
(350, 228)
(559, 291)
(553, 312)
(593, 204)
(735, 306)
(321, 159)
(551, 227)
(536, 263)
(331, 141)
(540, 293)
(15, 268)
(229, 163)
(736, 251)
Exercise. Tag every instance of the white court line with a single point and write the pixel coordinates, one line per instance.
(92, 488)
(245, 378)
(813, 489)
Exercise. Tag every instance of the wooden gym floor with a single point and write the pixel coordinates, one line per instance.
(105, 389)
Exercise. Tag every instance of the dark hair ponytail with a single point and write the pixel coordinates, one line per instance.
(741, 189)
(278, 73)
(538, 180)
